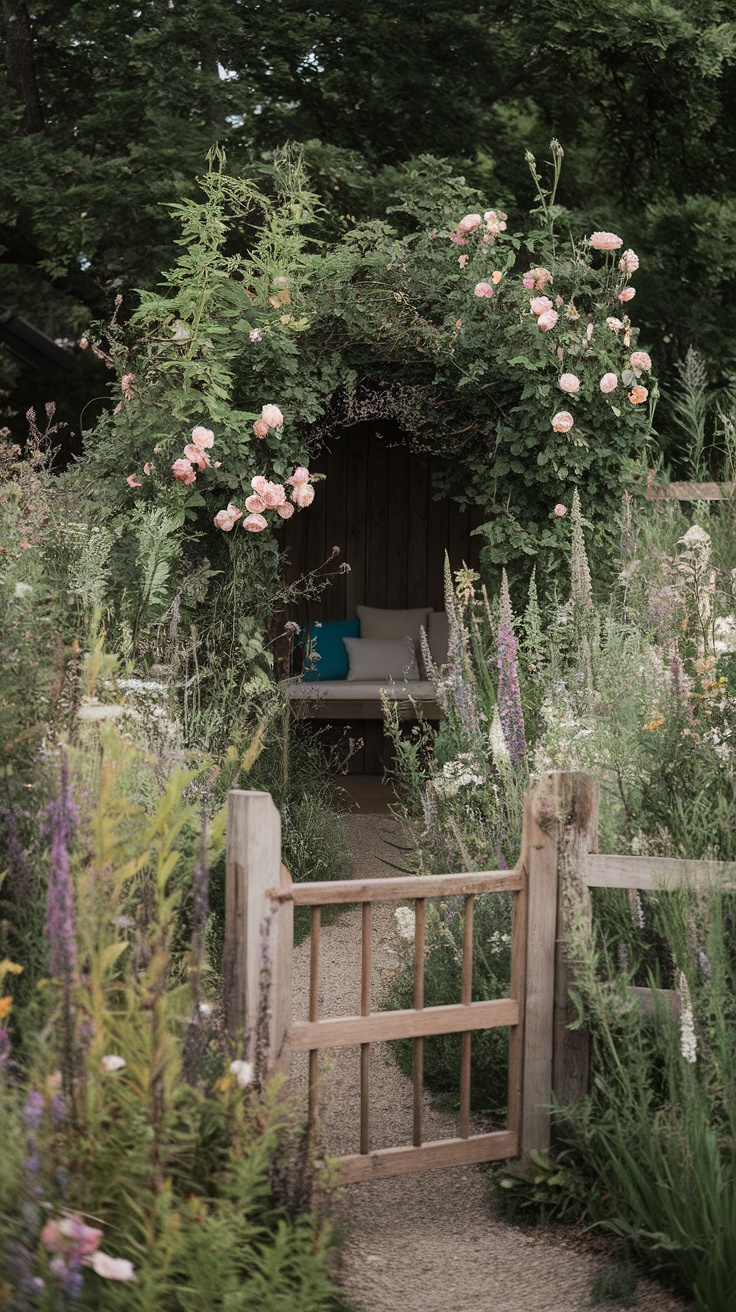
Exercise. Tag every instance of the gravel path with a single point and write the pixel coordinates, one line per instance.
(429, 1242)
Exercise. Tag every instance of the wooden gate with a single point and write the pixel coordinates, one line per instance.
(559, 829)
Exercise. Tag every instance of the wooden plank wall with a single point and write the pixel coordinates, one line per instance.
(377, 505)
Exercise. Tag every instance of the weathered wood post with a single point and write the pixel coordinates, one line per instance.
(560, 828)
(259, 929)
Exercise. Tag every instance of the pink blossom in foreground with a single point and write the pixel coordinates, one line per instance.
(303, 495)
(227, 519)
(629, 262)
(462, 260)
(286, 510)
(495, 221)
(203, 437)
(258, 484)
(560, 510)
(70, 1237)
(255, 523)
(255, 504)
(469, 224)
(640, 360)
(614, 324)
(148, 467)
(272, 416)
(547, 320)
(483, 289)
(563, 421)
(196, 455)
(273, 495)
(605, 241)
(608, 383)
(458, 239)
(260, 428)
(627, 294)
(528, 282)
(183, 472)
(541, 277)
(132, 481)
(111, 1268)
(538, 304)
(300, 475)
(638, 395)
(570, 383)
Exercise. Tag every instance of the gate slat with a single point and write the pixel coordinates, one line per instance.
(386, 1162)
(381, 1027)
(399, 889)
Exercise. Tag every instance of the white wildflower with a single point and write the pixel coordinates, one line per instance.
(405, 923)
(243, 1072)
(688, 1041)
(112, 1063)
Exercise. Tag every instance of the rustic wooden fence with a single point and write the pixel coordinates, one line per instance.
(549, 888)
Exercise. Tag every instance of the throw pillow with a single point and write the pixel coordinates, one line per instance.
(381, 659)
(324, 640)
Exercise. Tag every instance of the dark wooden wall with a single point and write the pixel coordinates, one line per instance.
(377, 505)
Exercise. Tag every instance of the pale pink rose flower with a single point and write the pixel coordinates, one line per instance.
(462, 260)
(608, 383)
(218, 464)
(303, 495)
(638, 395)
(255, 524)
(70, 1235)
(255, 504)
(614, 324)
(570, 383)
(260, 428)
(488, 239)
(148, 467)
(541, 277)
(538, 304)
(272, 416)
(640, 360)
(258, 484)
(483, 289)
(197, 456)
(496, 277)
(132, 481)
(469, 224)
(627, 294)
(528, 282)
(273, 496)
(629, 262)
(563, 421)
(203, 437)
(286, 511)
(112, 1268)
(560, 510)
(458, 239)
(111, 1063)
(605, 241)
(547, 320)
(183, 472)
(559, 300)
(227, 519)
(300, 475)
(126, 385)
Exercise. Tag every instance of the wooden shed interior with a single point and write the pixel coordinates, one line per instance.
(378, 506)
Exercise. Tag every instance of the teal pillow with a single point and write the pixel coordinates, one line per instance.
(325, 639)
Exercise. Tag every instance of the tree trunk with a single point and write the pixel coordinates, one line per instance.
(20, 68)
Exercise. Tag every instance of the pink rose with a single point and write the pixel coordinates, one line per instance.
(197, 456)
(495, 221)
(303, 495)
(640, 360)
(605, 241)
(608, 383)
(259, 484)
(560, 510)
(627, 294)
(255, 504)
(541, 277)
(638, 395)
(227, 519)
(462, 260)
(559, 300)
(483, 289)
(528, 282)
(273, 495)
(255, 524)
(271, 415)
(614, 324)
(183, 472)
(70, 1236)
(260, 428)
(538, 304)
(203, 437)
(570, 383)
(469, 224)
(563, 421)
(458, 240)
(547, 320)
(629, 262)
(132, 481)
(148, 467)
(300, 475)
(496, 277)
(286, 511)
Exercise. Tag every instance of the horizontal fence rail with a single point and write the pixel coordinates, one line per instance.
(401, 889)
(650, 873)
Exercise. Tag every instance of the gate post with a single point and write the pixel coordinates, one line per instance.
(259, 930)
(560, 828)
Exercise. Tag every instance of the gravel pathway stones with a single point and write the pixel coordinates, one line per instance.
(429, 1242)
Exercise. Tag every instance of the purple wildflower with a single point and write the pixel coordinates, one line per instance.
(509, 693)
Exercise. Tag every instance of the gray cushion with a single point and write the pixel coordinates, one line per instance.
(378, 623)
(381, 658)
